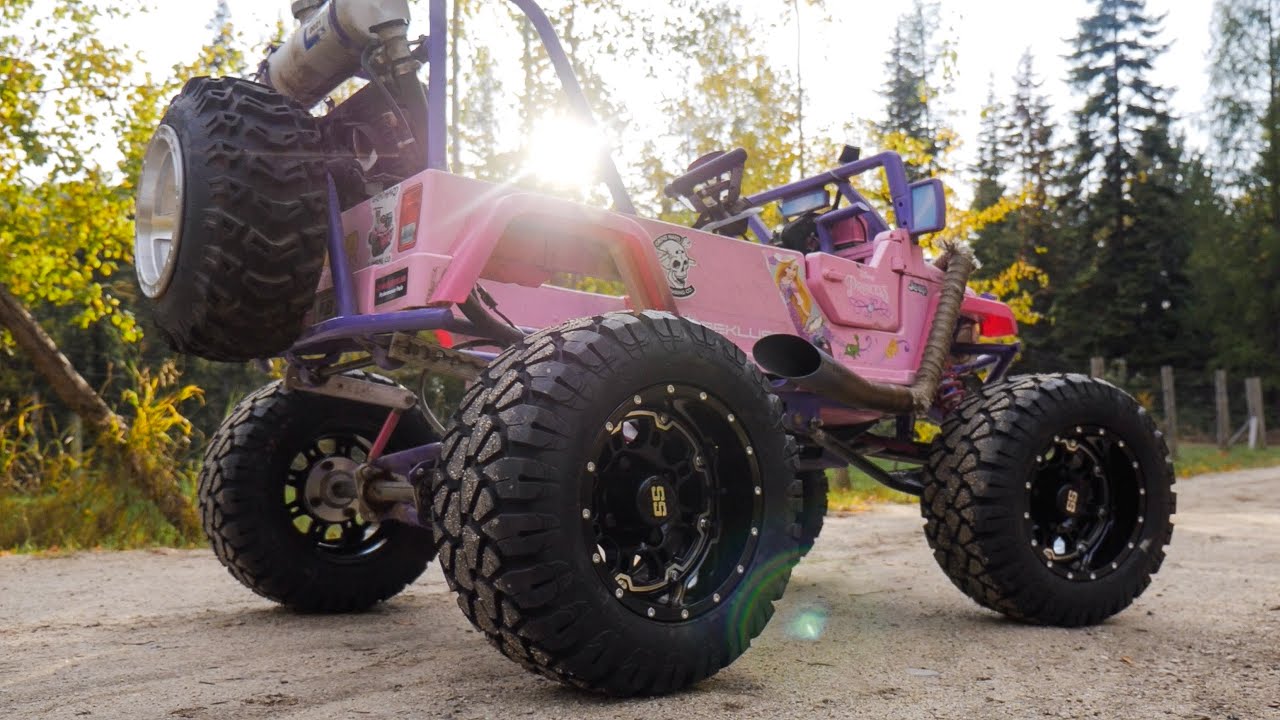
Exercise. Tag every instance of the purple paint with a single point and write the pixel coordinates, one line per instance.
(338, 263)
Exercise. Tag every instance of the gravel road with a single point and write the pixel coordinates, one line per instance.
(869, 628)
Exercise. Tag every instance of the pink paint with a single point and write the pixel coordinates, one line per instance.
(873, 308)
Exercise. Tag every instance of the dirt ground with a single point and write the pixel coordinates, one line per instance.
(869, 628)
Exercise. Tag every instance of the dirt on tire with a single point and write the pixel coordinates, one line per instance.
(869, 627)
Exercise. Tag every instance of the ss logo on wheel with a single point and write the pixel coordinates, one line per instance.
(659, 496)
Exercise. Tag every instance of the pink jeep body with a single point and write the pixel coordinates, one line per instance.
(439, 234)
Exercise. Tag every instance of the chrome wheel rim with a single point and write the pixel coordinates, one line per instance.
(158, 224)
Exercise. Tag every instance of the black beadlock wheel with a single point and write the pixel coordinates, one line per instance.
(1050, 498)
(618, 506)
(276, 511)
(231, 220)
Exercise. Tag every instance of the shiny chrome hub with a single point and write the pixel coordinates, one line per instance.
(330, 490)
(158, 224)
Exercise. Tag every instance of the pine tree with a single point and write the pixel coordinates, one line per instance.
(1124, 161)
(918, 67)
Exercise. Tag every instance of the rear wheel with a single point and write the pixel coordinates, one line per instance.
(276, 497)
(1050, 498)
(618, 506)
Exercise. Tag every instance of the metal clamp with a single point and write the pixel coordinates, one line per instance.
(345, 387)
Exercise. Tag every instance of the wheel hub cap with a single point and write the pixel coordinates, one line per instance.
(158, 223)
(1087, 500)
(671, 503)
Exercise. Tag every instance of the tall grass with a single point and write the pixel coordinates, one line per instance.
(56, 496)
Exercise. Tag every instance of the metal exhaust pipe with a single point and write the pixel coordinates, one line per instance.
(799, 361)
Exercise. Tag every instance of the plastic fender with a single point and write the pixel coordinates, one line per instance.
(632, 253)
(996, 318)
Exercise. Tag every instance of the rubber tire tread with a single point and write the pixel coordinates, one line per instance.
(241, 496)
(254, 221)
(815, 487)
(505, 509)
(974, 498)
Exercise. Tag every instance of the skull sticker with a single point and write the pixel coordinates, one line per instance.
(673, 253)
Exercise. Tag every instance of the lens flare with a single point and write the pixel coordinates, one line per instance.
(808, 623)
(564, 152)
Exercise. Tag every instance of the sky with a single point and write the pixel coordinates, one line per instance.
(843, 55)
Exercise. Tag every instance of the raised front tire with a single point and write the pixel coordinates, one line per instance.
(230, 235)
(618, 507)
(278, 521)
(1049, 499)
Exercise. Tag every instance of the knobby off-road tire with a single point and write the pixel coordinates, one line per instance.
(1049, 499)
(252, 239)
(536, 488)
(815, 487)
(263, 523)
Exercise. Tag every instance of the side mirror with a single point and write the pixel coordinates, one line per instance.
(928, 207)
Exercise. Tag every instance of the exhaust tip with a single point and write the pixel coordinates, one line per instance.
(787, 356)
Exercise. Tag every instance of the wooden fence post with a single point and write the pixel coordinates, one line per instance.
(1220, 401)
(1170, 410)
(1253, 398)
(1097, 367)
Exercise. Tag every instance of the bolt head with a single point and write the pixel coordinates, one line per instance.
(751, 450)
(741, 569)
(595, 558)
(618, 593)
(637, 399)
(586, 513)
(731, 417)
(650, 612)
(715, 597)
(702, 396)
(671, 389)
(755, 532)
(591, 467)
(758, 490)
(684, 614)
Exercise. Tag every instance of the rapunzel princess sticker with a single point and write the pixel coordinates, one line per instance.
(788, 275)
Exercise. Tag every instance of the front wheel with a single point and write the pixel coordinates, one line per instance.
(617, 508)
(1049, 499)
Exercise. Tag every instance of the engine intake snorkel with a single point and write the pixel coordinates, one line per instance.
(798, 360)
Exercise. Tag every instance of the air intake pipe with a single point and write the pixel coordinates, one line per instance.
(797, 360)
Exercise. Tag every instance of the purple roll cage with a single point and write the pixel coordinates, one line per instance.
(351, 330)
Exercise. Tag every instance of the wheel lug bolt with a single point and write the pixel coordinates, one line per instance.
(595, 558)
(750, 450)
(755, 532)
(637, 399)
(715, 597)
(591, 467)
(731, 418)
(684, 614)
(586, 514)
(758, 490)
(650, 612)
(618, 593)
(741, 569)
(702, 396)
(608, 427)
(671, 389)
